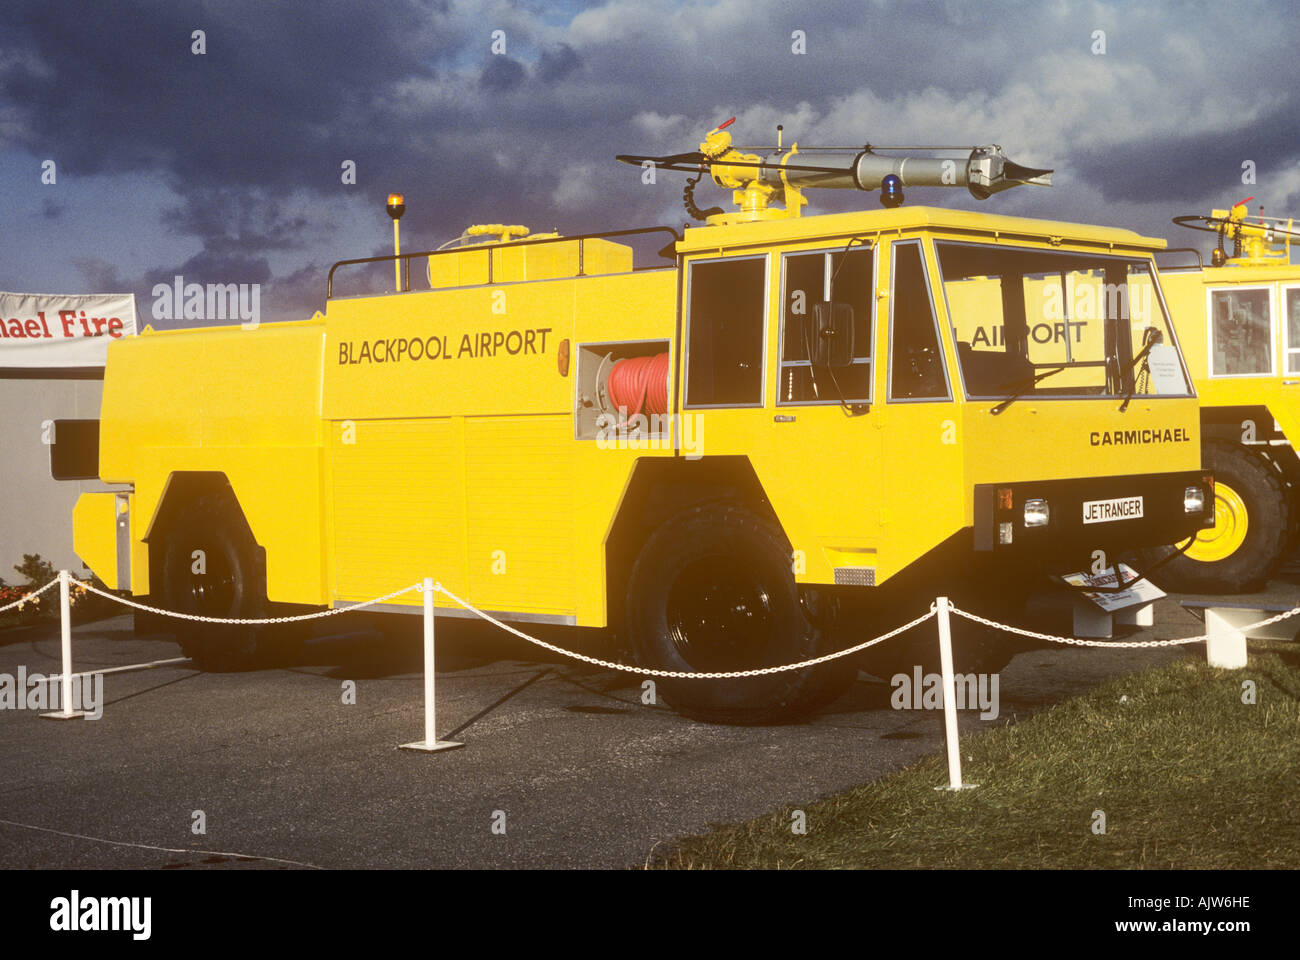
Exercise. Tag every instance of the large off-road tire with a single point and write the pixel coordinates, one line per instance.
(1252, 521)
(836, 677)
(228, 580)
(713, 591)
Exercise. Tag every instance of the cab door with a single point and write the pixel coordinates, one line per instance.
(818, 453)
(924, 501)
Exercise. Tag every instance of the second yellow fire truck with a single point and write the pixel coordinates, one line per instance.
(1239, 323)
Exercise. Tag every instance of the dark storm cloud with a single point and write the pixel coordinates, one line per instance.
(557, 64)
(210, 267)
(1182, 167)
(100, 274)
(252, 134)
(227, 218)
(502, 74)
(126, 91)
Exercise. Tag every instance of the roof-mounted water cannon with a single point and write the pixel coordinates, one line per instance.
(1259, 240)
(761, 176)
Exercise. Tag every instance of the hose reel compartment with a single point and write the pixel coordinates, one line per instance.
(622, 388)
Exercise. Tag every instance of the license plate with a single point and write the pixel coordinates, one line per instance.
(1108, 511)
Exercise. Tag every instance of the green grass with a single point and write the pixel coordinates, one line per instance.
(1188, 777)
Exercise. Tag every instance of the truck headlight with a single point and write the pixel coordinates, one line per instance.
(1193, 500)
(1006, 532)
(1037, 513)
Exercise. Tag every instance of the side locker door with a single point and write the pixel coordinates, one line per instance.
(818, 455)
(924, 500)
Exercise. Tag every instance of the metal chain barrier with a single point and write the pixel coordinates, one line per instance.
(1075, 641)
(939, 611)
(684, 674)
(190, 616)
(646, 671)
(35, 593)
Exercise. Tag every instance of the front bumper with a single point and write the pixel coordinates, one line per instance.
(1113, 523)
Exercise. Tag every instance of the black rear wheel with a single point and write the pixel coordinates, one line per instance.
(213, 568)
(713, 591)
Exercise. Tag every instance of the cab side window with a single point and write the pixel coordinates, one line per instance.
(726, 320)
(1241, 332)
(915, 360)
(842, 276)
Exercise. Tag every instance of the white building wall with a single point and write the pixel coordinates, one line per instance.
(35, 509)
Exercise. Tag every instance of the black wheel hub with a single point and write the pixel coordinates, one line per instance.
(722, 616)
(211, 593)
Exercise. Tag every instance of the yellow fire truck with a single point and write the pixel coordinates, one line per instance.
(1239, 323)
(786, 434)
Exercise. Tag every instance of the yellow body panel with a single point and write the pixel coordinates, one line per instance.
(492, 503)
(245, 403)
(95, 519)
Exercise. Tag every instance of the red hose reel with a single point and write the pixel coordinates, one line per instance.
(640, 385)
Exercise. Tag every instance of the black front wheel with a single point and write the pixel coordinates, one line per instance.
(713, 591)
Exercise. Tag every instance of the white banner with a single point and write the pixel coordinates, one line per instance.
(53, 331)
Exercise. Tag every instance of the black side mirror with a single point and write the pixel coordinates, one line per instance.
(830, 339)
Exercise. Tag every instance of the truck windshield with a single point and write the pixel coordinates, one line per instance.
(1038, 323)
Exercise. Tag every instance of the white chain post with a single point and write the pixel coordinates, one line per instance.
(949, 699)
(430, 743)
(65, 626)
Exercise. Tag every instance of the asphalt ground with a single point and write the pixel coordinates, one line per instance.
(565, 756)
